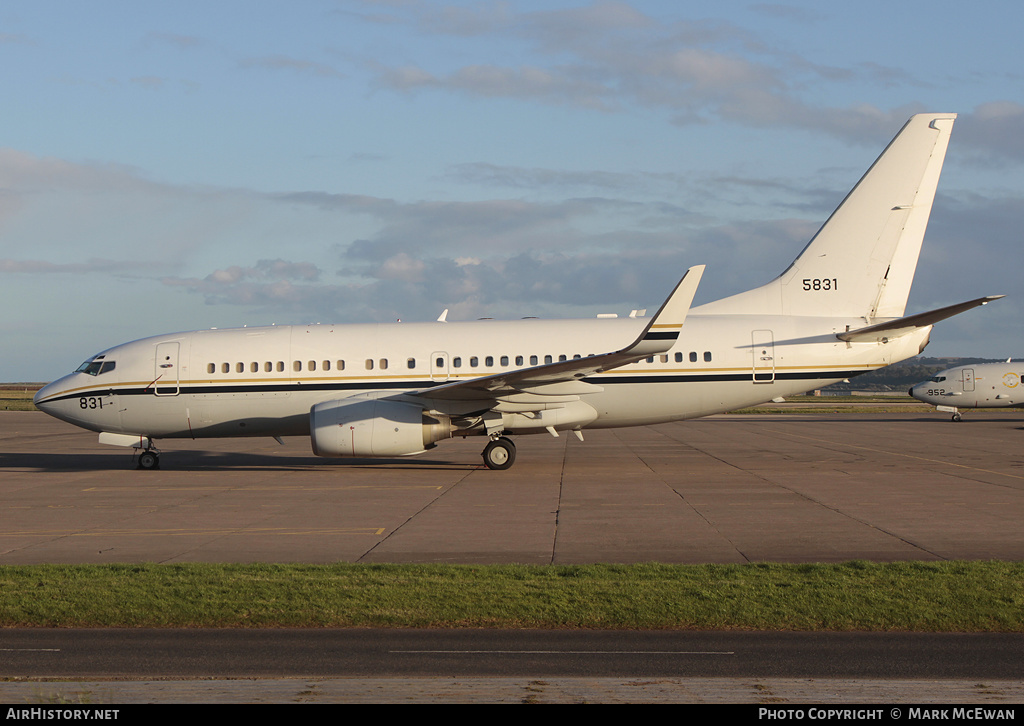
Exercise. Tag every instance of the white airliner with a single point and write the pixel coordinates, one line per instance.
(396, 389)
(982, 385)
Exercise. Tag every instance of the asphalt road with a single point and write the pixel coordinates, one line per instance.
(372, 653)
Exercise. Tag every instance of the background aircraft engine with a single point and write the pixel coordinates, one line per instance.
(370, 427)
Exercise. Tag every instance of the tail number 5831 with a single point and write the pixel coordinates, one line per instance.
(821, 283)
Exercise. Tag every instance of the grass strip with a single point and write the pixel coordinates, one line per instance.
(863, 596)
(17, 398)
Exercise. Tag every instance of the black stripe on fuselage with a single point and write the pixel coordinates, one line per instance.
(295, 387)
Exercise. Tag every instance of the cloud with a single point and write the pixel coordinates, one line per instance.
(22, 173)
(91, 266)
(396, 277)
(181, 42)
(485, 174)
(267, 282)
(992, 133)
(286, 63)
(615, 58)
(15, 39)
(608, 56)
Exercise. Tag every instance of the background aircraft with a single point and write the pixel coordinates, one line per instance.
(981, 385)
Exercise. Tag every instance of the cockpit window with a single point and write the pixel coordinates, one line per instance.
(938, 379)
(96, 367)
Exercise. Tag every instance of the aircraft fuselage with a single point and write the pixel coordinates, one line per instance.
(263, 381)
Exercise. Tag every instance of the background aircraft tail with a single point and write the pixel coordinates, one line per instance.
(861, 262)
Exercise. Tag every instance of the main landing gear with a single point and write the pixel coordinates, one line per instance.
(499, 453)
(149, 459)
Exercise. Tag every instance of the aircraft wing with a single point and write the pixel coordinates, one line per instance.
(563, 378)
(900, 326)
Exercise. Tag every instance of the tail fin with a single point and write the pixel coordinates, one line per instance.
(861, 262)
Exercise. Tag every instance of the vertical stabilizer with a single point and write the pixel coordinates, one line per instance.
(861, 262)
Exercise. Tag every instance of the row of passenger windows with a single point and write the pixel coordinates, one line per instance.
(298, 366)
(370, 364)
(520, 361)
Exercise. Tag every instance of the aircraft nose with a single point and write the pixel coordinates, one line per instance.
(42, 394)
(47, 398)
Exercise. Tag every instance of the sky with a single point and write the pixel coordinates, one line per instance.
(186, 165)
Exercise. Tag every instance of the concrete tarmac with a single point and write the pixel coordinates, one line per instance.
(734, 488)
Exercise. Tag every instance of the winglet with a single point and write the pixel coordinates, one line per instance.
(663, 330)
(659, 335)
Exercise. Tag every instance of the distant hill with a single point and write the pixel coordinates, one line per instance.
(901, 376)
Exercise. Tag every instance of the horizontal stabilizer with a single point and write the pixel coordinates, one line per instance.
(900, 326)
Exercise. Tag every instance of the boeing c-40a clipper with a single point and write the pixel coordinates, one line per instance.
(396, 389)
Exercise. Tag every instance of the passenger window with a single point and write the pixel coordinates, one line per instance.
(327, 365)
(369, 364)
(225, 367)
(280, 366)
(439, 363)
(474, 362)
(561, 357)
(519, 360)
(693, 356)
(297, 366)
(211, 368)
(504, 360)
(707, 356)
(456, 362)
(268, 367)
(383, 364)
(679, 357)
(533, 360)
(489, 361)
(664, 359)
(341, 365)
(411, 363)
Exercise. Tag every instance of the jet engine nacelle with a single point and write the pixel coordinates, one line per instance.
(371, 427)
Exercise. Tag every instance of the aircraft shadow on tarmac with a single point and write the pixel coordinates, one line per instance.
(940, 419)
(212, 461)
